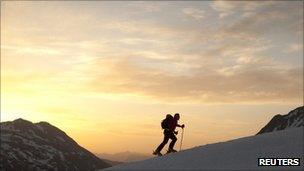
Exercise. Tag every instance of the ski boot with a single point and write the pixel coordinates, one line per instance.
(171, 151)
(157, 153)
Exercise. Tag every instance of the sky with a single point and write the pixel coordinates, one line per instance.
(107, 72)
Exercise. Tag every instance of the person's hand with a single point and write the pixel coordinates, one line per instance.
(183, 126)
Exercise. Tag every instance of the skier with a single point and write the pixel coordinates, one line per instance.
(169, 124)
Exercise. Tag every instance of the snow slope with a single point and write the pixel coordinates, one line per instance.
(238, 154)
(126, 156)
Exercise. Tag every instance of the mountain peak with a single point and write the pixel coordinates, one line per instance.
(294, 118)
(22, 120)
(42, 146)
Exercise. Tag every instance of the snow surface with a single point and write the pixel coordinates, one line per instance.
(238, 154)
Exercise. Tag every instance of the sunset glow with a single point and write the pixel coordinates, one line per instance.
(107, 72)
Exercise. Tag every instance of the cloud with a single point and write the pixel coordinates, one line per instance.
(139, 7)
(215, 62)
(294, 47)
(227, 8)
(256, 82)
(224, 8)
(279, 17)
(194, 13)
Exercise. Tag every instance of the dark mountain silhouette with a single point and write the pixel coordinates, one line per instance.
(294, 118)
(41, 146)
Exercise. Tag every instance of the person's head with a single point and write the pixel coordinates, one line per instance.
(176, 116)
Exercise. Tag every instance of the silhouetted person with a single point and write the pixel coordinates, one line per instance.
(169, 133)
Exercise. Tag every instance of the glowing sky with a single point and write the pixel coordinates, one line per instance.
(107, 72)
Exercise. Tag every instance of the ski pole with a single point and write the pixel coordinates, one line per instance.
(181, 143)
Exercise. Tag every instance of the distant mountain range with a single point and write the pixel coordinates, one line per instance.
(126, 156)
(294, 118)
(41, 146)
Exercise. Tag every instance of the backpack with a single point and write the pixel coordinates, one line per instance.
(165, 123)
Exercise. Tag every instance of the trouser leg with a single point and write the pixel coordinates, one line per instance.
(165, 141)
(173, 137)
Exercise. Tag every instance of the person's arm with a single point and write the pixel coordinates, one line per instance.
(182, 126)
